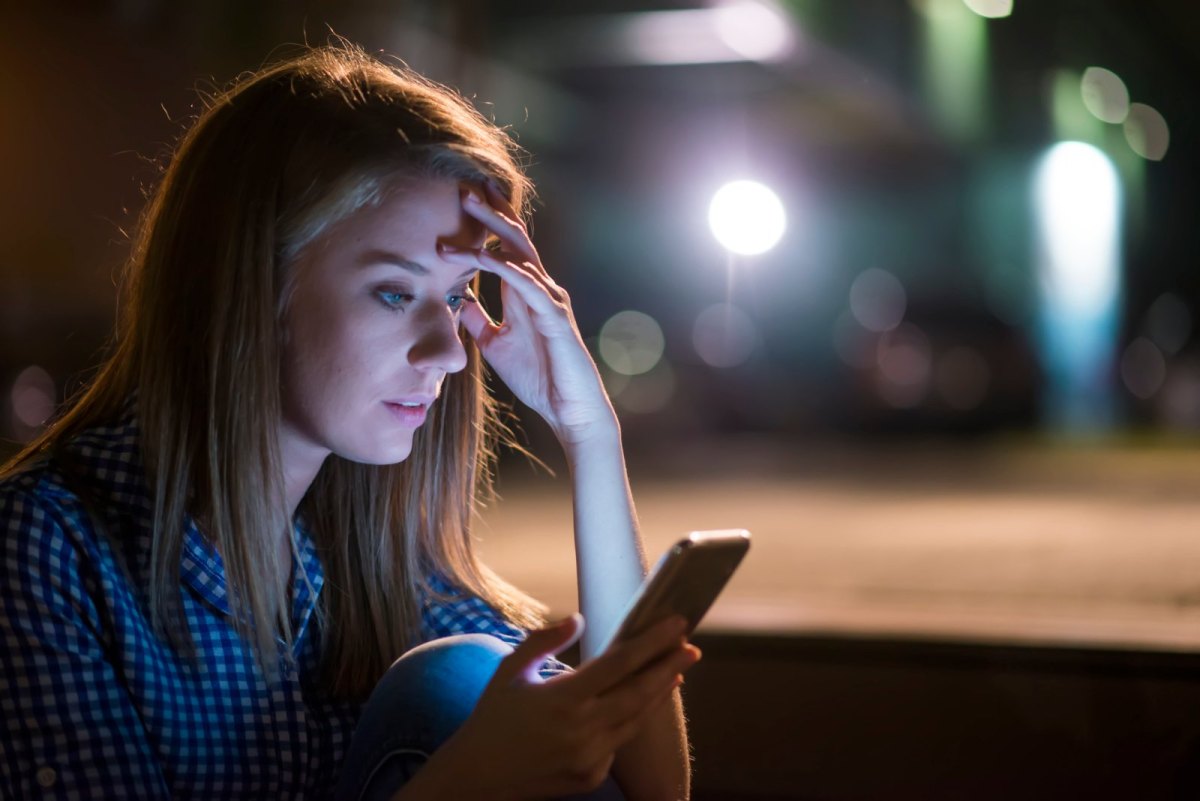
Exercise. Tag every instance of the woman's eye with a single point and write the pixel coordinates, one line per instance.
(456, 300)
(392, 299)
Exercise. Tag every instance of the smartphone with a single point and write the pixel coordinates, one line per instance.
(685, 581)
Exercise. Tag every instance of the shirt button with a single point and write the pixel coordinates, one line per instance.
(46, 777)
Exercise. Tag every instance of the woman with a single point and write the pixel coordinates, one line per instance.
(264, 498)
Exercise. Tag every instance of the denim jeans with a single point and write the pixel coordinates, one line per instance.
(421, 700)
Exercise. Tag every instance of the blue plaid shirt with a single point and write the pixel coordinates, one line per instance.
(93, 704)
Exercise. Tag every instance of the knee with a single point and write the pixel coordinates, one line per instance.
(441, 679)
(418, 704)
(467, 658)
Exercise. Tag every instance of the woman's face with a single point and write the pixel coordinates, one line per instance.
(371, 329)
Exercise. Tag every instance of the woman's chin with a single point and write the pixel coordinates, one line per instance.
(379, 453)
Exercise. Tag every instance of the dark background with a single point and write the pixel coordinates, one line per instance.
(947, 598)
(627, 154)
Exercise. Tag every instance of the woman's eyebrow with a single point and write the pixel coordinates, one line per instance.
(371, 258)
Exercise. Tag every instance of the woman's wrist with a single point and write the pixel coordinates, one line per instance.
(601, 435)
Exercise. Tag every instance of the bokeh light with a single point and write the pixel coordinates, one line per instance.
(754, 30)
(1078, 198)
(724, 335)
(1104, 94)
(1143, 368)
(648, 392)
(1078, 201)
(905, 361)
(631, 342)
(1146, 132)
(33, 398)
(746, 217)
(614, 382)
(878, 300)
(1169, 323)
(954, 68)
(992, 9)
(1179, 399)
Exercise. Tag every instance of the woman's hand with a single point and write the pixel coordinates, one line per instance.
(536, 349)
(533, 739)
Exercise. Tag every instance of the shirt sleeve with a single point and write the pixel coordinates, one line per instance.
(68, 728)
(468, 614)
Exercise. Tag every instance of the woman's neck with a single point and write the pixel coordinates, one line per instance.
(301, 463)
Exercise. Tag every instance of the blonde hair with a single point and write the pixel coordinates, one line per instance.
(266, 168)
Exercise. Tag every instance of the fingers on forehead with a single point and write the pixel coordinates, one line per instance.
(493, 214)
(496, 196)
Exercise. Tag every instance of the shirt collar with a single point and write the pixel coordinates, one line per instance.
(203, 570)
(308, 577)
(111, 455)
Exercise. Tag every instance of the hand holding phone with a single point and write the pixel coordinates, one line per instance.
(685, 581)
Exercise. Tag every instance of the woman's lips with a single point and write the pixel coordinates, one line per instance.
(411, 416)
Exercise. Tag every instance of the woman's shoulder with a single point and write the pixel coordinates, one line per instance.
(58, 560)
(63, 486)
(45, 537)
(35, 490)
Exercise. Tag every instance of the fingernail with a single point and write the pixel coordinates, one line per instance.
(444, 248)
(472, 197)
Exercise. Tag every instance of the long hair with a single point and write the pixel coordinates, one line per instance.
(267, 167)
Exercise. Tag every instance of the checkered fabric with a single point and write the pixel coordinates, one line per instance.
(94, 705)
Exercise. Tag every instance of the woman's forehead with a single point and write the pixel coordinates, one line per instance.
(419, 213)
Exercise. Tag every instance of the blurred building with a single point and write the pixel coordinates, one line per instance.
(912, 288)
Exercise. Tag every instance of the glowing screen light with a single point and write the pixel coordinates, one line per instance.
(746, 217)
(1078, 200)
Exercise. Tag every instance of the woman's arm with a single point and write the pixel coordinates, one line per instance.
(611, 565)
(538, 352)
(69, 727)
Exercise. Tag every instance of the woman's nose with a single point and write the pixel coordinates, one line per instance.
(438, 343)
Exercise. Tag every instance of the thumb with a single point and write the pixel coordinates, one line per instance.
(526, 658)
